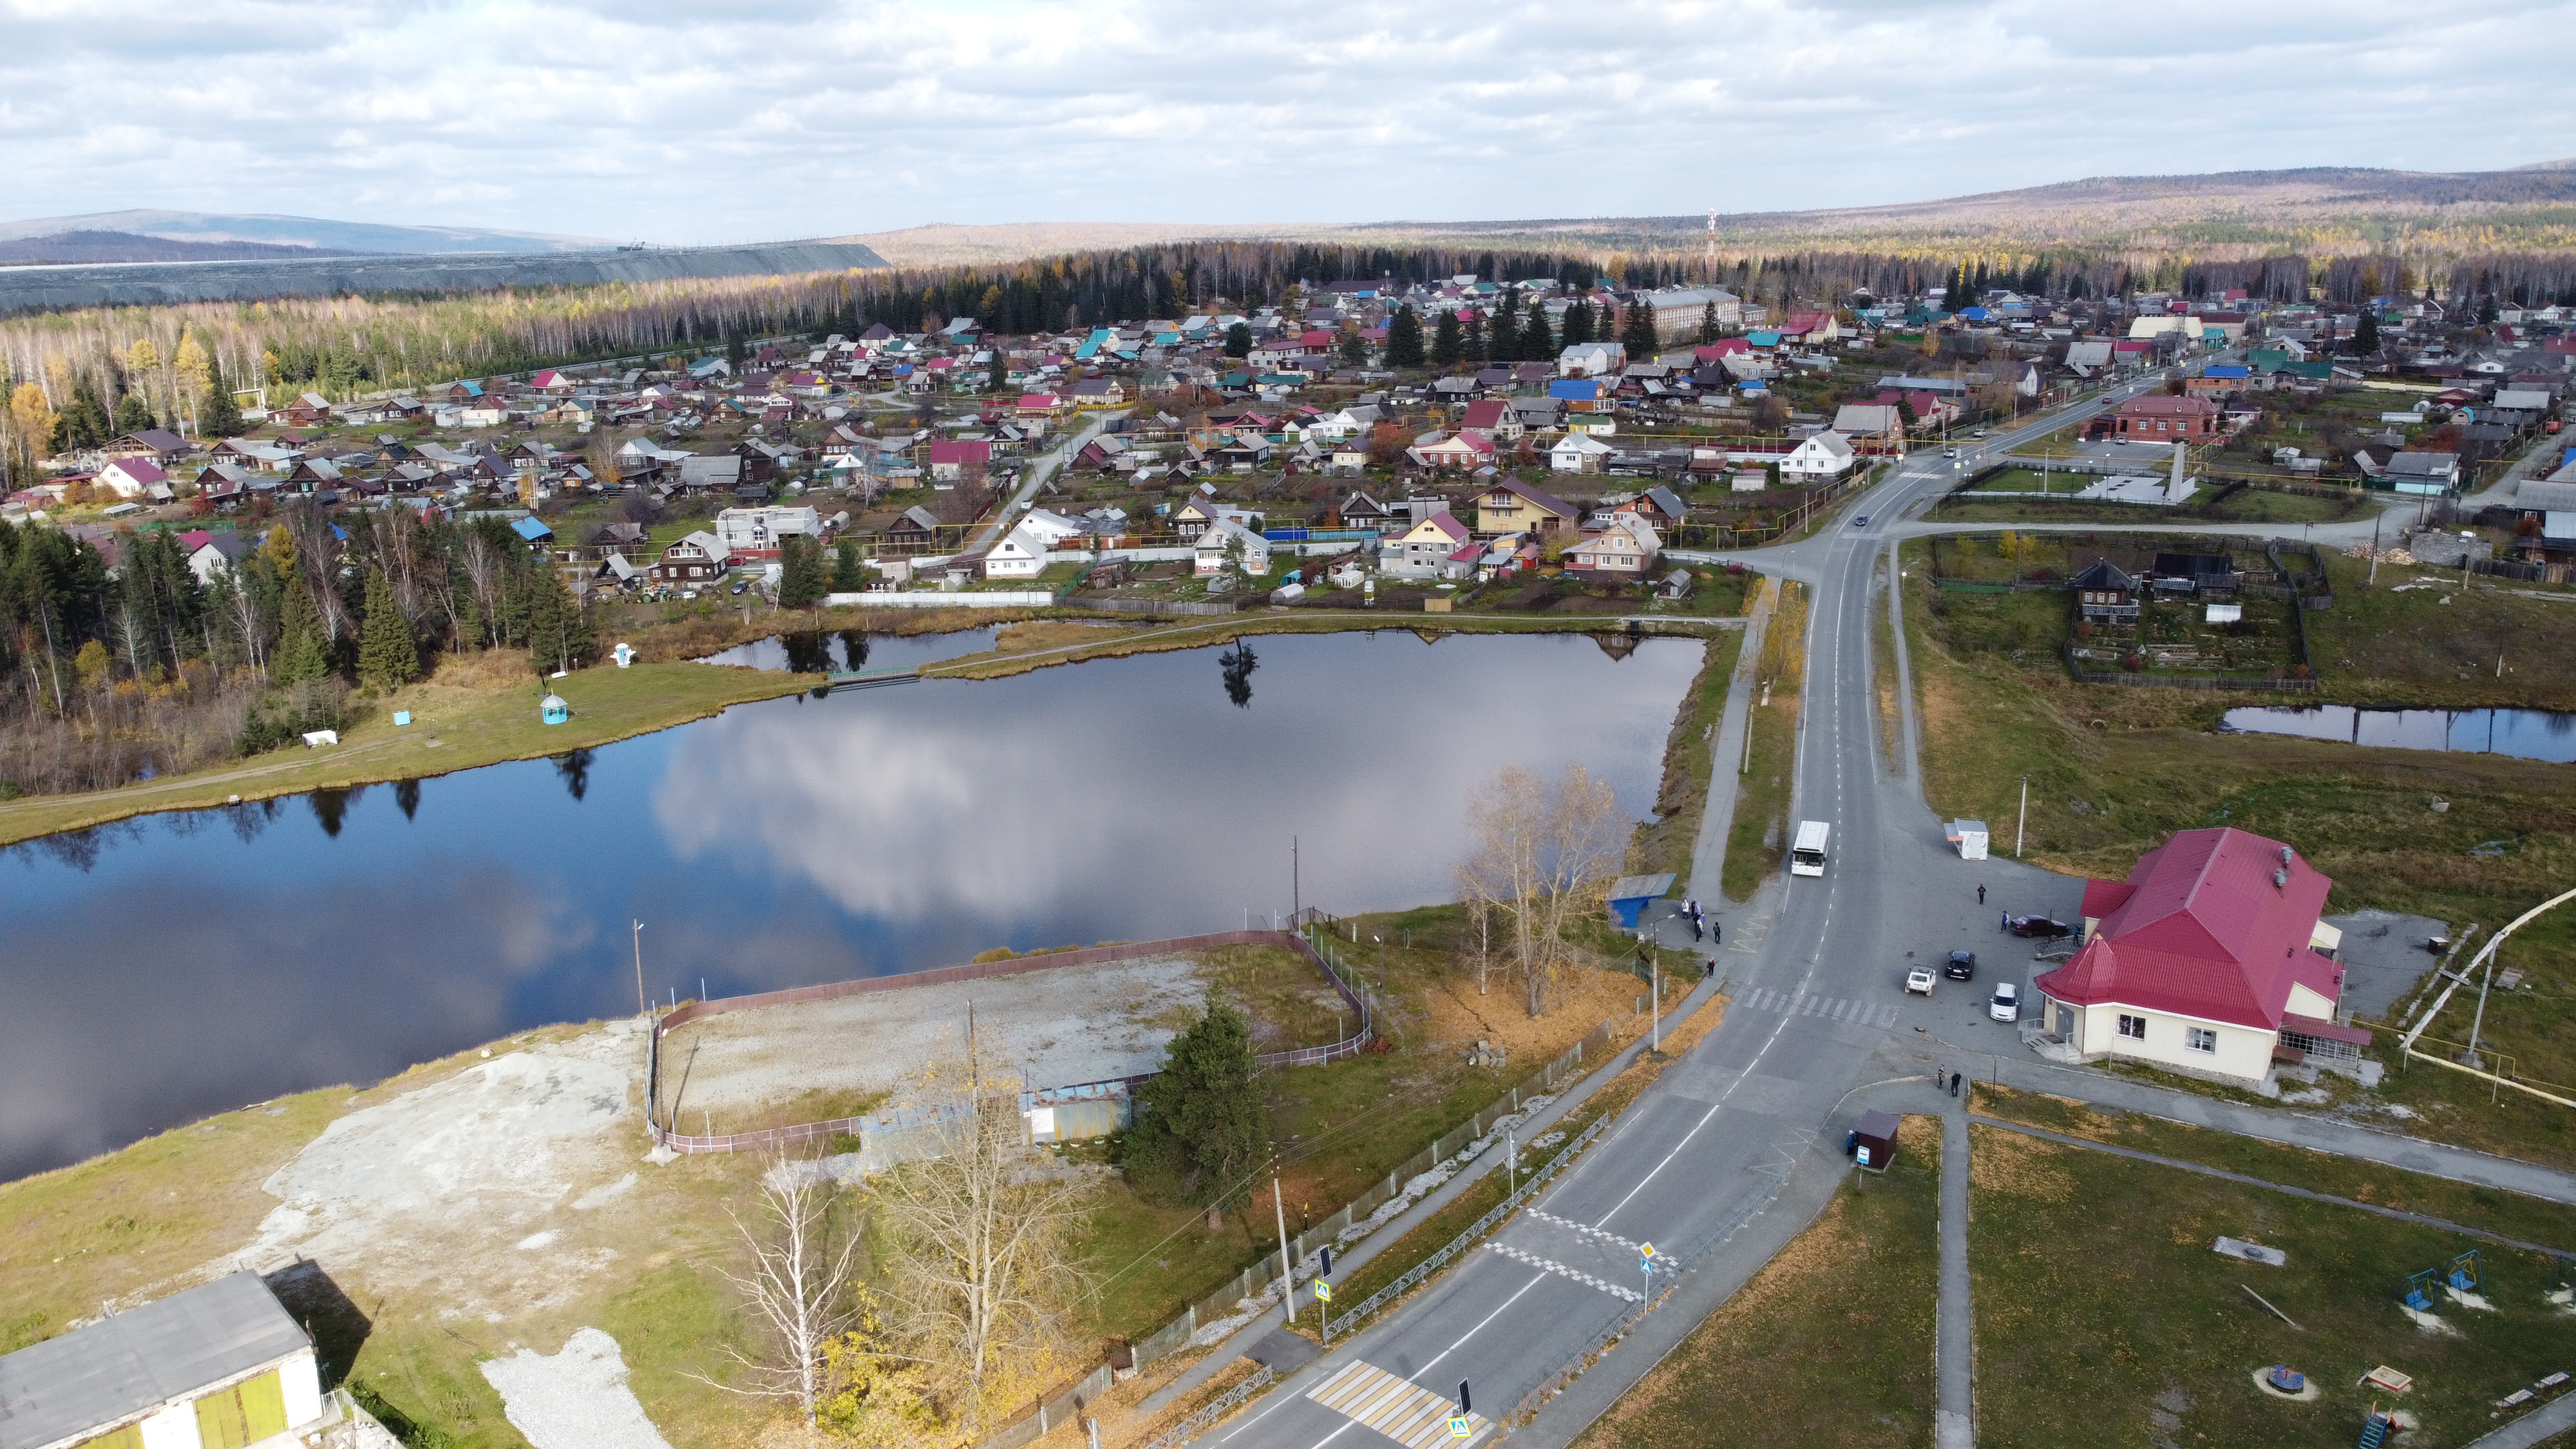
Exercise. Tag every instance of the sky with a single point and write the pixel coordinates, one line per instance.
(761, 119)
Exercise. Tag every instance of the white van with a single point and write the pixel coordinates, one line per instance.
(1807, 852)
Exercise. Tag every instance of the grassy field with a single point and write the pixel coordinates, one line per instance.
(454, 727)
(2245, 505)
(2103, 1317)
(1666, 844)
(1760, 830)
(2114, 771)
(1831, 1343)
(2379, 645)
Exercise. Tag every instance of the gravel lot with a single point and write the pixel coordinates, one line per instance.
(1061, 1026)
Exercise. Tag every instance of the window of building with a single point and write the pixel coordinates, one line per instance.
(2134, 1027)
(2201, 1039)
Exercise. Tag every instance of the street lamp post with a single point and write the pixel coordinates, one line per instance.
(642, 1007)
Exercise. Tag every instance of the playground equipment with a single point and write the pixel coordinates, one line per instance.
(2418, 1295)
(2285, 1378)
(2467, 1272)
(2376, 1429)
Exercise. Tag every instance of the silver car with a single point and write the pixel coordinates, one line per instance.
(2005, 1004)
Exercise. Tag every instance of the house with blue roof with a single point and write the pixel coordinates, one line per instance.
(533, 530)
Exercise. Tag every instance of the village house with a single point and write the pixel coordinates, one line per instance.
(1508, 506)
(693, 562)
(1625, 550)
(952, 462)
(1466, 449)
(1020, 554)
(1592, 359)
(2210, 959)
(1578, 453)
(1495, 418)
(1817, 458)
(219, 1366)
(759, 532)
(1438, 547)
(133, 477)
(1870, 422)
(1224, 537)
(2105, 593)
(2157, 417)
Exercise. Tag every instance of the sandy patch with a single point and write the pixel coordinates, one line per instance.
(468, 1171)
(1062, 1026)
(577, 1399)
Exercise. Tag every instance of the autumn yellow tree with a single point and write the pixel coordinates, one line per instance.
(1541, 848)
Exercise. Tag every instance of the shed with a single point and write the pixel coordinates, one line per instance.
(216, 1367)
(1969, 836)
(1873, 1143)
(1628, 896)
(533, 530)
(553, 709)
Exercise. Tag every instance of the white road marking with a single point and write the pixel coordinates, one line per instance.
(1550, 1265)
(1586, 1229)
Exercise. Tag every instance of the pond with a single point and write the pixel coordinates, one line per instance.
(176, 965)
(2529, 734)
(825, 651)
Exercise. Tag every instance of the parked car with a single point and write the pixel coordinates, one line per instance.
(740, 587)
(2005, 1004)
(1962, 967)
(2045, 927)
(1919, 980)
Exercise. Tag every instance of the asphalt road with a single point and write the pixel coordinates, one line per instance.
(1815, 968)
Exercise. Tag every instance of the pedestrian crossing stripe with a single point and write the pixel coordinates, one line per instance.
(1832, 1008)
(1404, 1411)
(1550, 1265)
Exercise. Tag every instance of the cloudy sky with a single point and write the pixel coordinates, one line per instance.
(762, 119)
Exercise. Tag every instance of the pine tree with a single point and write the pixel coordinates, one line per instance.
(1578, 323)
(1536, 344)
(1354, 350)
(1637, 332)
(1507, 328)
(849, 573)
(1238, 340)
(388, 651)
(1200, 1129)
(2365, 333)
(303, 648)
(222, 416)
(801, 578)
(559, 632)
(1708, 324)
(1448, 344)
(1404, 339)
(1479, 347)
(133, 414)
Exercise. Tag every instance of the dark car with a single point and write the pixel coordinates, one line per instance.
(2046, 927)
(1859, 519)
(1962, 967)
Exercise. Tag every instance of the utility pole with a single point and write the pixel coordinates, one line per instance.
(641, 1007)
(2375, 518)
(2024, 823)
(1296, 888)
(1287, 1275)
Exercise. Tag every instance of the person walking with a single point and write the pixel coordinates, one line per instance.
(1709, 972)
(2003, 921)
(1981, 895)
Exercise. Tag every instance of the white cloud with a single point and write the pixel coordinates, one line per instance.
(775, 120)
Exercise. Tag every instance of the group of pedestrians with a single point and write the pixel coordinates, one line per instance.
(1701, 930)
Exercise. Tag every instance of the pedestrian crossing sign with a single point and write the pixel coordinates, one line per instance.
(1323, 1291)
(1458, 1426)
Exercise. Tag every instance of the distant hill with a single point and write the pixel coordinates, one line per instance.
(72, 247)
(305, 235)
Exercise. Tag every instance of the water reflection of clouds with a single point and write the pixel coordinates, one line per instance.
(206, 1015)
(912, 806)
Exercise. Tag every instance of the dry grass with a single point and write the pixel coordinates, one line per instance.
(1760, 830)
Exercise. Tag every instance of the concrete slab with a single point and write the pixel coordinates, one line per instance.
(2384, 957)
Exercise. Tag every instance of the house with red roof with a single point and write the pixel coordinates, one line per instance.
(2210, 959)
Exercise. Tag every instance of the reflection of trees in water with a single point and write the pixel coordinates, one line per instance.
(407, 795)
(1237, 665)
(854, 649)
(574, 770)
(807, 652)
(81, 849)
(251, 817)
(332, 806)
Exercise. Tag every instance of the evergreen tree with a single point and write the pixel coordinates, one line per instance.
(849, 573)
(1507, 328)
(801, 578)
(133, 414)
(1637, 332)
(1708, 324)
(1200, 1130)
(559, 632)
(735, 352)
(222, 416)
(2365, 335)
(1354, 350)
(388, 651)
(1238, 340)
(1448, 343)
(1536, 344)
(1479, 347)
(1404, 339)
(1578, 323)
(303, 647)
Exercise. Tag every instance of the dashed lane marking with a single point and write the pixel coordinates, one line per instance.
(1400, 1409)
(1585, 1228)
(1832, 1008)
(1630, 1295)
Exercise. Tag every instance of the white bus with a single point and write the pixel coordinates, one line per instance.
(1807, 855)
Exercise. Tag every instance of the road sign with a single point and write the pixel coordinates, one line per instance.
(1458, 1426)
(1646, 1252)
(1323, 1291)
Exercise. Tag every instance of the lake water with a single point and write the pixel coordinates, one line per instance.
(2530, 734)
(824, 651)
(175, 965)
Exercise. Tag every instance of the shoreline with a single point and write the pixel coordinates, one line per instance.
(475, 727)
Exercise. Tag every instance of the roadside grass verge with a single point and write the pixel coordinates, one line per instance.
(1760, 830)
(2104, 1318)
(1689, 767)
(2115, 771)
(2531, 1219)
(1831, 1343)
(1882, 652)
(2245, 505)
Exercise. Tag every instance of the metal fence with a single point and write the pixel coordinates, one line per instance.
(1213, 1412)
(1468, 1239)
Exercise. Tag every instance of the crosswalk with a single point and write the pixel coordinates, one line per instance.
(1402, 1410)
(1833, 1008)
(1586, 1229)
(1550, 1265)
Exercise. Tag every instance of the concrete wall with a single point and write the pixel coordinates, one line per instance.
(148, 283)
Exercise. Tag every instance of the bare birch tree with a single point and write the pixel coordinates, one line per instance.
(976, 1235)
(1540, 847)
(799, 1287)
